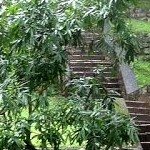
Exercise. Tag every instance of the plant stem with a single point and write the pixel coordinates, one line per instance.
(28, 142)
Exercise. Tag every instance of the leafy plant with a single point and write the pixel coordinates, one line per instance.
(141, 69)
(94, 15)
(34, 35)
(97, 121)
(33, 61)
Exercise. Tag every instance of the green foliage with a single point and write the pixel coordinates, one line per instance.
(33, 60)
(122, 33)
(96, 123)
(89, 14)
(141, 68)
(36, 41)
(139, 25)
(143, 4)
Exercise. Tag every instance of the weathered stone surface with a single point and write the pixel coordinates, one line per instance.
(148, 89)
(144, 40)
(128, 78)
(139, 13)
(148, 14)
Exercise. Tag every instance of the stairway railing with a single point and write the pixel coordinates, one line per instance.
(129, 81)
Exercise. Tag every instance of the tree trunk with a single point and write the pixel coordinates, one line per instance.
(29, 145)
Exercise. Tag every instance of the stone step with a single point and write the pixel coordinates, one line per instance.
(87, 57)
(138, 110)
(144, 128)
(111, 84)
(90, 34)
(111, 90)
(90, 68)
(114, 89)
(89, 63)
(118, 95)
(84, 74)
(92, 61)
(145, 145)
(132, 148)
(84, 52)
(112, 79)
(90, 74)
(81, 68)
(140, 117)
(137, 104)
(142, 122)
(144, 137)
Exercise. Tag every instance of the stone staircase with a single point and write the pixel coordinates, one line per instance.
(138, 105)
(140, 112)
(83, 65)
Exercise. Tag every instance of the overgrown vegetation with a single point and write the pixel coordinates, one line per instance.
(145, 4)
(139, 25)
(141, 64)
(33, 58)
(141, 68)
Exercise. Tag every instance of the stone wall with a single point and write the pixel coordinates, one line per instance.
(144, 41)
(144, 38)
(140, 13)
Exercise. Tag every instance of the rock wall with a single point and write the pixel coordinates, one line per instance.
(140, 13)
(144, 40)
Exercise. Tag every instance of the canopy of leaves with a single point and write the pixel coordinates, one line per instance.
(33, 57)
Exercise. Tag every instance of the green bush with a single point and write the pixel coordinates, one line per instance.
(95, 119)
(33, 58)
(141, 69)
